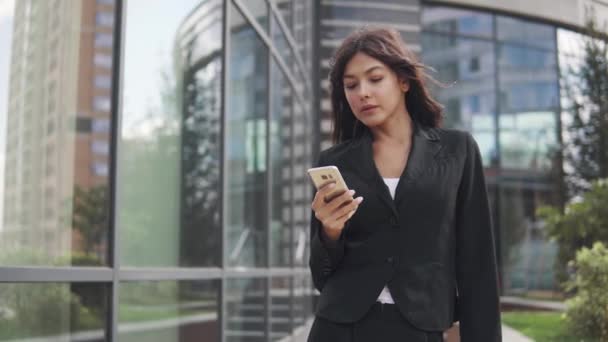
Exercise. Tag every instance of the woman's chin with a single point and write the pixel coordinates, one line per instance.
(373, 120)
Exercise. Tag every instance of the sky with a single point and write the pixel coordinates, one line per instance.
(148, 49)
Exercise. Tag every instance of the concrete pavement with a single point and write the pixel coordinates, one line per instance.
(508, 334)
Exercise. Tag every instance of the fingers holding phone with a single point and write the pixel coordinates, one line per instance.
(334, 214)
(333, 203)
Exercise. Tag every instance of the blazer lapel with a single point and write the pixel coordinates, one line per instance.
(425, 147)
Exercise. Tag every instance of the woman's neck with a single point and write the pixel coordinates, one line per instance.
(396, 130)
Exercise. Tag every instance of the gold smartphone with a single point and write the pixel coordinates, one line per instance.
(323, 175)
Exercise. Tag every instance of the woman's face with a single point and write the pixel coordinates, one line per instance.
(373, 90)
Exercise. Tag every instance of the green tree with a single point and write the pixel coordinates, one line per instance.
(587, 312)
(585, 85)
(583, 223)
(91, 215)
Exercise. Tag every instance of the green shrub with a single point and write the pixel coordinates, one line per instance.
(587, 312)
(584, 222)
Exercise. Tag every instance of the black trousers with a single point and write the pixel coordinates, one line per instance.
(382, 323)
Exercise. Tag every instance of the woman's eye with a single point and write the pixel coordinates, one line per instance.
(351, 86)
(377, 79)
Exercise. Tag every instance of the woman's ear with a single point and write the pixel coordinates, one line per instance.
(404, 85)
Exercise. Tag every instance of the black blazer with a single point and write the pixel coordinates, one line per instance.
(432, 243)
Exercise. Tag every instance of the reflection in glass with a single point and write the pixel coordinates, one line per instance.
(528, 140)
(301, 188)
(280, 42)
(525, 32)
(527, 255)
(456, 21)
(467, 65)
(280, 158)
(280, 308)
(528, 88)
(505, 76)
(342, 11)
(259, 10)
(302, 22)
(200, 171)
(170, 144)
(285, 8)
(55, 188)
(246, 147)
(53, 312)
(245, 316)
(169, 311)
(302, 301)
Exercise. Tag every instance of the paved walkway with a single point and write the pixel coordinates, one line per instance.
(508, 334)
(532, 303)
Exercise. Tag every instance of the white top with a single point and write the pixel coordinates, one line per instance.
(385, 295)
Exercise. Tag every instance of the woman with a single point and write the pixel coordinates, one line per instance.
(414, 251)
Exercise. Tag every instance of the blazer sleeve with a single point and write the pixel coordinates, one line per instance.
(325, 255)
(476, 270)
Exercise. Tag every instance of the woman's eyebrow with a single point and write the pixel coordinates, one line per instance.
(366, 71)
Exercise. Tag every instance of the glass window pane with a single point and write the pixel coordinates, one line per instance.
(302, 301)
(53, 312)
(301, 189)
(104, 19)
(280, 158)
(456, 21)
(103, 81)
(103, 60)
(259, 10)
(100, 125)
(527, 140)
(342, 11)
(102, 103)
(245, 316)
(526, 32)
(169, 311)
(280, 42)
(339, 33)
(280, 308)
(100, 147)
(103, 39)
(528, 85)
(53, 206)
(527, 255)
(285, 8)
(302, 21)
(170, 142)
(467, 66)
(246, 147)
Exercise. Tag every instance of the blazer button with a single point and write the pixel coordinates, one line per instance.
(389, 260)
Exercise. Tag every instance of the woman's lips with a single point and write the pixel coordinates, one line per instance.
(369, 109)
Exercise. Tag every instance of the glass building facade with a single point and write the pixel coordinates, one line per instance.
(502, 83)
(153, 155)
(153, 167)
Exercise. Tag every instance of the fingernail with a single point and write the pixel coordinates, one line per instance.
(359, 199)
(332, 185)
(351, 192)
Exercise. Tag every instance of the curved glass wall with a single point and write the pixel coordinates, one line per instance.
(164, 143)
(503, 86)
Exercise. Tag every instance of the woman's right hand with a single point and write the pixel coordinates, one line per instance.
(334, 213)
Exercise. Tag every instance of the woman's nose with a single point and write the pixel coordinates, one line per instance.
(363, 90)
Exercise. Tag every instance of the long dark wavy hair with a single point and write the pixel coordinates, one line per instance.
(384, 44)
